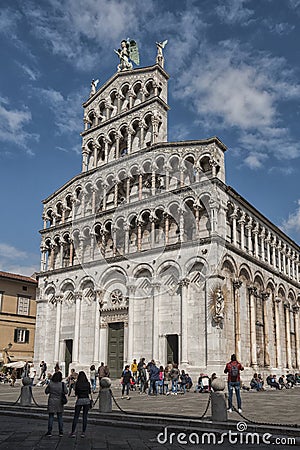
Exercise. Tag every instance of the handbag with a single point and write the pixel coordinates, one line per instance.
(63, 397)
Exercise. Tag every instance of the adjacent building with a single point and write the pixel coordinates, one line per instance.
(149, 253)
(17, 317)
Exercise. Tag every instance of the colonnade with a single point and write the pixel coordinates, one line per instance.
(248, 234)
(283, 312)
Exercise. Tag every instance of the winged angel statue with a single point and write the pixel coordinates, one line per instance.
(128, 53)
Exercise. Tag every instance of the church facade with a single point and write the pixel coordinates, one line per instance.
(149, 253)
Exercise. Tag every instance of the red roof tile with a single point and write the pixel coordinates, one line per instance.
(14, 276)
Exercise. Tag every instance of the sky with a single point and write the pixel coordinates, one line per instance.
(235, 73)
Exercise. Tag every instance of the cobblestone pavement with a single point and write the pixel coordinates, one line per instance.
(29, 434)
(271, 406)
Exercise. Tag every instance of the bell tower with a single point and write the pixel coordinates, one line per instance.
(125, 115)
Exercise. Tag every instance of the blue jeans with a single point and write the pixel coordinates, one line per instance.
(59, 419)
(236, 385)
(174, 385)
(93, 383)
(84, 417)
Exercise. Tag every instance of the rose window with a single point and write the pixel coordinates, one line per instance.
(116, 296)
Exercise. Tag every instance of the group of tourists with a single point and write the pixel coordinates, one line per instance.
(152, 379)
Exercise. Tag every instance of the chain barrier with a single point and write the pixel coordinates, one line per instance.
(246, 419)
(116, 403)
(36, 404)
(94, 401)
(206, 409)
(16, 400)
(264, 423)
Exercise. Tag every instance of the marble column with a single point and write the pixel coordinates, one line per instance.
(99, 294)
(288, 336)
(279, 248)
(242, 221)
(249, 229)
(262, 244)
(255, 233)
(184, 284)
(43, 258)
(131, 300)
(253, 349)
(71, 252)
(58, 300)
(139, 236)
(166, 216)
(237, 318)
(277, 327)
(268, 240)
(297, 335)
(155, 321)
(78, 298)
(152, 220)
(126, 240)
(128, 190)
(273, 247)
(265, 297)
(140, 186)
(233, 218)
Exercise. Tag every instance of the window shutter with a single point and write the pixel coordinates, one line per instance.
(16, 335)
(26, 336)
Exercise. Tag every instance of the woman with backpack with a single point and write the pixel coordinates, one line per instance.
(233, 368)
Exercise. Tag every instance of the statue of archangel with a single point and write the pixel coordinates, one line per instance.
(128, 53)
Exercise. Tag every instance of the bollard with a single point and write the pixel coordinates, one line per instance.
(26, 392)
(218, 401)
(105, 400)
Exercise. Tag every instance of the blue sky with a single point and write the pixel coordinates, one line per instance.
(235, 73)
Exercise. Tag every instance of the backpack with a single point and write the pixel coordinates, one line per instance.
(234, 371)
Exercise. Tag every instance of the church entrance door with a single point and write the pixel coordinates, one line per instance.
(172, 348)
(68, 355)
(115, 348)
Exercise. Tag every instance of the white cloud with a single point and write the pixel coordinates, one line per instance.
(77, 29)
(17, 261)
(234, 11)
(33, 74)
(239, 89)
(293, 221)
(255, 160)
(13, 124)
(10, 252)
(67, 110)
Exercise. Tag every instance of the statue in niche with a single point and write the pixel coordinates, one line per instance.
(217, 305)
(128, 54)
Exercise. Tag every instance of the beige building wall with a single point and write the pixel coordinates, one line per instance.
(17, 317)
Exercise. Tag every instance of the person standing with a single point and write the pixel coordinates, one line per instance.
(134, 369)
(55, 389)
(43, 370)
(125, 381)
(233, 369)
(82, 391)
(93, 377)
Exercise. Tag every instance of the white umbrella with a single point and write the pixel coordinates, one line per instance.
(16, 364)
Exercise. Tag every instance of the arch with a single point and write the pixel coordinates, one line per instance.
(245, 273)
(67, 285)
(114, 273)
(169, 265)
(142, 270)
(229, 263)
